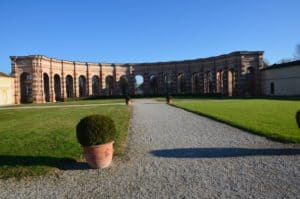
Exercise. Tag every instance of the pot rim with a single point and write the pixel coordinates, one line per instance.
(99, 145)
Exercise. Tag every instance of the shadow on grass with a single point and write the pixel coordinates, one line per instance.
(60, 163)
(222, 152)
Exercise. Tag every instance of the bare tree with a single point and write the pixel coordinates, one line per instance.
(297, 52)
(266, 62)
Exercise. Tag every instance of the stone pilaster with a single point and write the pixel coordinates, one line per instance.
(100, 80)
(130, 76)
(16, 74)
(63, 82)
(52, 92)
(75, 81)
(89, 89)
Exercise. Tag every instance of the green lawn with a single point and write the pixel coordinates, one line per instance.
(271, 118)
(38, 141)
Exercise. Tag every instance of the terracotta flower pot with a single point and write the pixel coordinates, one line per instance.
(99, 156)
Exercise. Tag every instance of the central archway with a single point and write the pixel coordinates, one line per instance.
(138, 85)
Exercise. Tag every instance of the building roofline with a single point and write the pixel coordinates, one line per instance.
(283, 65)
(5, 75)
(144, 63)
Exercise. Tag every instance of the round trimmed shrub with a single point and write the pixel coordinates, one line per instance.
(95, 129)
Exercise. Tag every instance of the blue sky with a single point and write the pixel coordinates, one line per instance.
(147, 30)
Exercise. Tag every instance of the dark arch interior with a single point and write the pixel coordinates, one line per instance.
(26, 88)
(82, 86)
(46, 88)
(96, 85)
(57, 88)
(69, 86)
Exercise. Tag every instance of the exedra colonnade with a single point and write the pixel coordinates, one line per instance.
(41, 79)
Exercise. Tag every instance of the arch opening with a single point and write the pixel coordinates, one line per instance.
(195, 83)
(46, 87)
(109, 84)
(138, 85)
(123, 82)
(231, 81)
(57, 88)
(168, 84)
(153, 85)
(208, 82)
(220, 81)
(69, 86)
(82, 86)
(95, 85)
(180, 84)
(26, 87)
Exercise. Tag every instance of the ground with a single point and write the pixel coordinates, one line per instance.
(176, 154)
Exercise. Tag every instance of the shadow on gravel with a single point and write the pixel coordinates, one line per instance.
(221, 152)
(74, 166)
(60, 163)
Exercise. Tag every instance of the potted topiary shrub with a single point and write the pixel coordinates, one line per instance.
(127, 100)
(298, 118)
(169, 99)
(96, 134)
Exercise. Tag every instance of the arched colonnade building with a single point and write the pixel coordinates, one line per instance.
(44, 79)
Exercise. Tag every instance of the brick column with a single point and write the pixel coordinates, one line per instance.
(63, 82)
(115, 89)
(201, 81)
(146, 87)
(51, 86)
(130, 76)
(75, 81)
(100, 80)
(16, 74)
(89, 90)
(225, 81)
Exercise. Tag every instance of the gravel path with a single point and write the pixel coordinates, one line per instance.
(176, 154)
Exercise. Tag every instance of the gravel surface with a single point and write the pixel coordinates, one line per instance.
(176, 154)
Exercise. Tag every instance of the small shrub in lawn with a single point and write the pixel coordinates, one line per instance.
(95, 129)
(127, 99)
(168, 99)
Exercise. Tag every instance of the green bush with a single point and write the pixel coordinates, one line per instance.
(95, 129)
